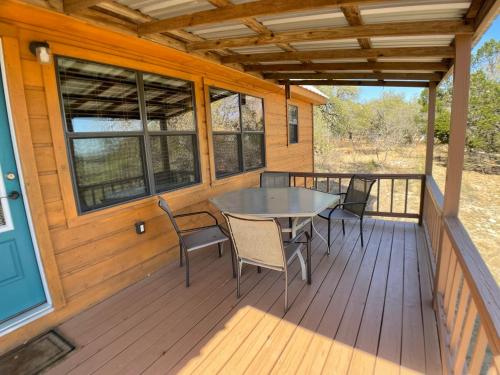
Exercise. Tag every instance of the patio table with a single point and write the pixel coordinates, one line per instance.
(288, 202)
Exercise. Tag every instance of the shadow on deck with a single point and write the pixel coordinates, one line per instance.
(367, 310)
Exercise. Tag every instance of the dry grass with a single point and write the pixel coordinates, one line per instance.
(479, 206)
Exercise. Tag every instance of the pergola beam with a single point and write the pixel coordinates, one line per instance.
(346, 32)
(433, 66)
(72, 6)
(245, 10)
(334, 82)
(434, 77)
(444, 52)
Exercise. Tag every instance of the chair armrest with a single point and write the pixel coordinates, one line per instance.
(198, 213)
(348, 203)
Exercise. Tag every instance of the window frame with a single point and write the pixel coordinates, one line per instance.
(290, 125)
(240, 134)
(143, 135)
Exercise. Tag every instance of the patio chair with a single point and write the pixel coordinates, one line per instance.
(280, 180)
(274, 179)
(196, 238)
(352, 207)
(258, 241)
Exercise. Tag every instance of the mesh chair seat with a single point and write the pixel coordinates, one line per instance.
(274, 179)
(203, 238)
(338, 214)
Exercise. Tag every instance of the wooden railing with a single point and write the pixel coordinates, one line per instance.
(466, 297)
(393, 195)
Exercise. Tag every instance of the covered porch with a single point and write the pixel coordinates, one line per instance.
(368, 310)
(416, 298)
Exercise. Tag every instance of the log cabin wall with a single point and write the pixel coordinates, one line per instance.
(87, 258)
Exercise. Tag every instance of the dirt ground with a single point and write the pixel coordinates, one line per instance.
(480, 196)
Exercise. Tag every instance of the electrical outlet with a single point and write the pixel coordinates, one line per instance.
(140, 227)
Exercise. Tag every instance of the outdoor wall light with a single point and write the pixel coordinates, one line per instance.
(42, 52)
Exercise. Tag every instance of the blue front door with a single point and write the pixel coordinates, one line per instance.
(21, 286)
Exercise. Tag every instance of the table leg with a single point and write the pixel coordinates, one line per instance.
(308, 251)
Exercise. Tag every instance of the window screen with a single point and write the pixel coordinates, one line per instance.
(293, 124)
(238, 131)
(130, 134)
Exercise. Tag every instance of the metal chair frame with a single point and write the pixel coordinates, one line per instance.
(240, 261)
(369, 184)
(183, 248)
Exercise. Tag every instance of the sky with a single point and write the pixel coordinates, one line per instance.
(369, 93)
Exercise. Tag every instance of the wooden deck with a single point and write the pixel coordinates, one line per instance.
(368, 310)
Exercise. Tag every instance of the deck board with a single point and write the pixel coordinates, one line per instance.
(367, 310)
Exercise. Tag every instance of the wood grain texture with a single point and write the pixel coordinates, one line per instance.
(90, 257)
(205, 329)
(346, 32)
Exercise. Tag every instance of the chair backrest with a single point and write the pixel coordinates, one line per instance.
(165, 207)
(358, 191)
(257, 240)
(274, 179)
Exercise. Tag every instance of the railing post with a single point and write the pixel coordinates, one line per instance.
(431, 119)
(422, 198)
(458, 124)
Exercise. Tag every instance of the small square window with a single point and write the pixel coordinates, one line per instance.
(293, 124)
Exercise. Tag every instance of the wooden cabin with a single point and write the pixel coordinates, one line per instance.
(107, 104)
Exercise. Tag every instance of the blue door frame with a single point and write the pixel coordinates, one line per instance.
(21, 285)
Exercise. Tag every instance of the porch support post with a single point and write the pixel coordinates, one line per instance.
(458, 124)
(431, 119)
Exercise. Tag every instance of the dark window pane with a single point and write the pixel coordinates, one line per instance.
(97, 97)
(108, 170)
(252, 113)
(293, 132)
(225, 110)
(293, 122)
(169, 103)
(227, 159)
(253, 150)
(174, 161)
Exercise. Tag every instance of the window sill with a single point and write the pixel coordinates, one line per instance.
(107, 212)
(231, 178)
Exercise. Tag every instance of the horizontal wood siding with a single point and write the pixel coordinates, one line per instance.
(99, 253)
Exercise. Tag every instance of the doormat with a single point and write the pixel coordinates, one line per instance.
(36, 355)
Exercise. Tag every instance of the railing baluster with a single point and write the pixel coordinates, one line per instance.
(328, 184)
(456, 329)
(340, 185)
(294, 181)
(452, 303)
(477, 358)
(305, 182)
(406, 197)
(392, 194)
(465, 339)
(378, 194)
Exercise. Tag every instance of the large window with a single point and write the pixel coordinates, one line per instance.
(293, 124)
(238, 132)
(130, 134)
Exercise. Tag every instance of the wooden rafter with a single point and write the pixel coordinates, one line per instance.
(436, 77)
(353, 17)
(474, 8)
(251, 23)
(353, 53)
(434, 66)
(365, 31)
(71, 6)
(236, 12)
(328, 82)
